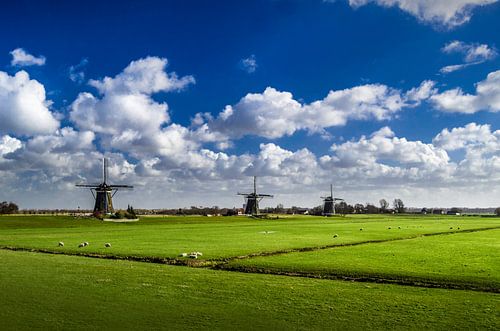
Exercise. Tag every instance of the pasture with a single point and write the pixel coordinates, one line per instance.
(245, 277)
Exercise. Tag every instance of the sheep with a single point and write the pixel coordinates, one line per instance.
(61, 244)
(451, 228)
(361, 229)
(399, 227)
(81, 245)
(389, 228)
(335, 235)
(107, 245)
(193, 256)
(86, 243)
(196, 253)
(183, 254)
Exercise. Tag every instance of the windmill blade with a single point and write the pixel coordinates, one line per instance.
(87, 185)
(338, 199)
(265, 195)
(121, 186)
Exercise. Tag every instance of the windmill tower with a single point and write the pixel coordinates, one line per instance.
(253, 199)
(329, 203)
(103, 193)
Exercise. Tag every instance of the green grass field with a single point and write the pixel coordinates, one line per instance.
(218, 237)
(462, 258)
(62, 291)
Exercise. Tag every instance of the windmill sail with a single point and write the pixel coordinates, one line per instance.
(252, 199)
(329, 203)
(103, 192)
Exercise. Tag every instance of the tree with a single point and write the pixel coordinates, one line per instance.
(399, 206)
(383, 205)
(497, 211)
(8, 208)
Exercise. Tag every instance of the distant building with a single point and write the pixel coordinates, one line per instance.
(438, 211)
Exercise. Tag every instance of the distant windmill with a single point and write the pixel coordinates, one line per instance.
(253, 199)
(329, 203)
(104, 193)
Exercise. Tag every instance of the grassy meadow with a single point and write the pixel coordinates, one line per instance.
(245, 278)
(218, 237)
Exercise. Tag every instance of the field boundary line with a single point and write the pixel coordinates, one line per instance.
(358, 243)
(364, 279)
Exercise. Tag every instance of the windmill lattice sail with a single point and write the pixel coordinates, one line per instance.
(252, 199)
(103, 193)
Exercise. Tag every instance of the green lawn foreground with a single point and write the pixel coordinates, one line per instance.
(462, 258)
(218, 237)
(43, 291)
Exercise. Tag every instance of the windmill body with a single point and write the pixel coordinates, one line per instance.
(329, 203)
(104, 193)
(252, 199)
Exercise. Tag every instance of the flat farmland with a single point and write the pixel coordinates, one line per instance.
(219, 237)
(404, 272)
(43, 291)
(459, 259)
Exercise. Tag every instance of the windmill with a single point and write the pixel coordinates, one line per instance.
(253, 199)
(103, 193)
(329, 203)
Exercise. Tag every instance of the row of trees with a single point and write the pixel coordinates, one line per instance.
(8, 208)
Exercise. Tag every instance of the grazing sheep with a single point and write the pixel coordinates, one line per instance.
(335, 235)
(61, 244)
(458, 228)
(183, 254)
(193, 256)
(389, 228)
(196, 253)
(451, 228)
(81, 245)
(399, 227)
(361, 229)
(107, 245)
(86, 243)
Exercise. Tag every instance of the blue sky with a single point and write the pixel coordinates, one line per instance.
(366, 53)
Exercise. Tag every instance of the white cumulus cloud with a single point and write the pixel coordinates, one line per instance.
(487, 97)
(274, 114)
(125, 114)
(447, 13)
(21, 58)
(23, 106)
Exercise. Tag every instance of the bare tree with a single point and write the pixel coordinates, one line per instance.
(383, 205)
(399, 206)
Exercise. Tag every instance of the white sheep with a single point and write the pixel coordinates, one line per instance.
(61, 244)
(86, 243)
(183, 254)
(81, 245)
(193, 256)
(107, 245)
